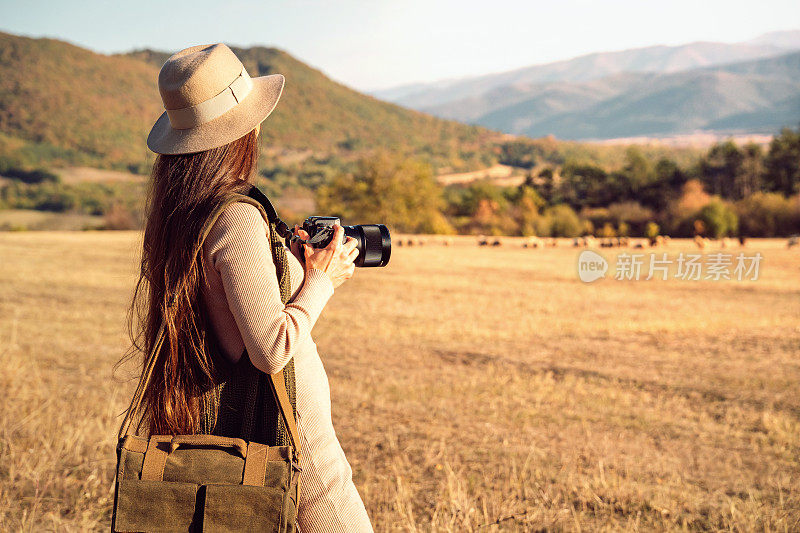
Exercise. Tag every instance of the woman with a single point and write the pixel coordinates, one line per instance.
(207, 138)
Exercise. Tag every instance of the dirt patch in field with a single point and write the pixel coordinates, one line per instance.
(95, 175)
(499, 174)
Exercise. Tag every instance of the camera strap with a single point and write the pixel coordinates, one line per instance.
(256, 194)
(280, 226)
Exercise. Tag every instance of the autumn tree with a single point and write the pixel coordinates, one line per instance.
(387, 189)
(783, 163)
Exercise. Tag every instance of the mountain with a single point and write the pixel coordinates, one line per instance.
(762, 119)
(660, 59)
(752, 97)
(63, 103)
(572, 100)
(788, 40)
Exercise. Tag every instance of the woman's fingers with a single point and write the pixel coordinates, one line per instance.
(295, 246)
(350, 243)
(336, 243)
(303, 234)
(336, 259)
(299, 249)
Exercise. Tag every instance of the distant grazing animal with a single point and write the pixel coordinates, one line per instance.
(582, 242)
(700, 241)
(742, 240)
(532, 242)
(448, 241)
(497, 242)
(794, 240)
(410, 242)
(482, 240)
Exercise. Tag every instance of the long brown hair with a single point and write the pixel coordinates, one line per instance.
(184, 190)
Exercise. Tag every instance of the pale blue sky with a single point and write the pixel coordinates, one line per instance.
(371, 44)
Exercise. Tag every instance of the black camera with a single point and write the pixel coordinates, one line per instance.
(373, 241)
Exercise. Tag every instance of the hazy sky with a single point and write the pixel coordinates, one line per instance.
(371, 44)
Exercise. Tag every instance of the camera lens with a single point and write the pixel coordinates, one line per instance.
(373, 242)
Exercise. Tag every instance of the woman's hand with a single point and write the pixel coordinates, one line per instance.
(336, 259)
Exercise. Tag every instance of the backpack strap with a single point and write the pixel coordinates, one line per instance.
(277, 380)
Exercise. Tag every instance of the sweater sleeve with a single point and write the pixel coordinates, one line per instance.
(240, 251)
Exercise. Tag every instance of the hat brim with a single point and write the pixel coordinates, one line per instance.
(240, 120)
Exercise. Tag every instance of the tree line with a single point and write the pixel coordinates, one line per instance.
(569, 189)
(730, 190)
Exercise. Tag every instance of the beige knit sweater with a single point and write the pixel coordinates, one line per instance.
(243, 300)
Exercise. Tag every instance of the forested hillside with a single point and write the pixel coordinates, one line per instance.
(60, 103)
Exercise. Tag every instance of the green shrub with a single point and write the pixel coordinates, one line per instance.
(86, 198)
(651, 230)
(38, 175)
(719, 219)
(607, 231)
(562, 221)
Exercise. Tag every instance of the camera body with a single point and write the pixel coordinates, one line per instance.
(372, 240)
(321, 225)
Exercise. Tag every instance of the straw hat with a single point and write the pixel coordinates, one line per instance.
(210, 100)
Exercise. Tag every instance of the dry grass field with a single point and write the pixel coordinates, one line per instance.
(31, 219)
(474, 389)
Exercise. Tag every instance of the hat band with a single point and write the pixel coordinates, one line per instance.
(208, 110)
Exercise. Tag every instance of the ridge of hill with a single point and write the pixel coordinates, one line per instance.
(64, 104)
(656, 59)
(757, 96)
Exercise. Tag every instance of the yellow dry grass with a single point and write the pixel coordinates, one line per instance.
(473, 389)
